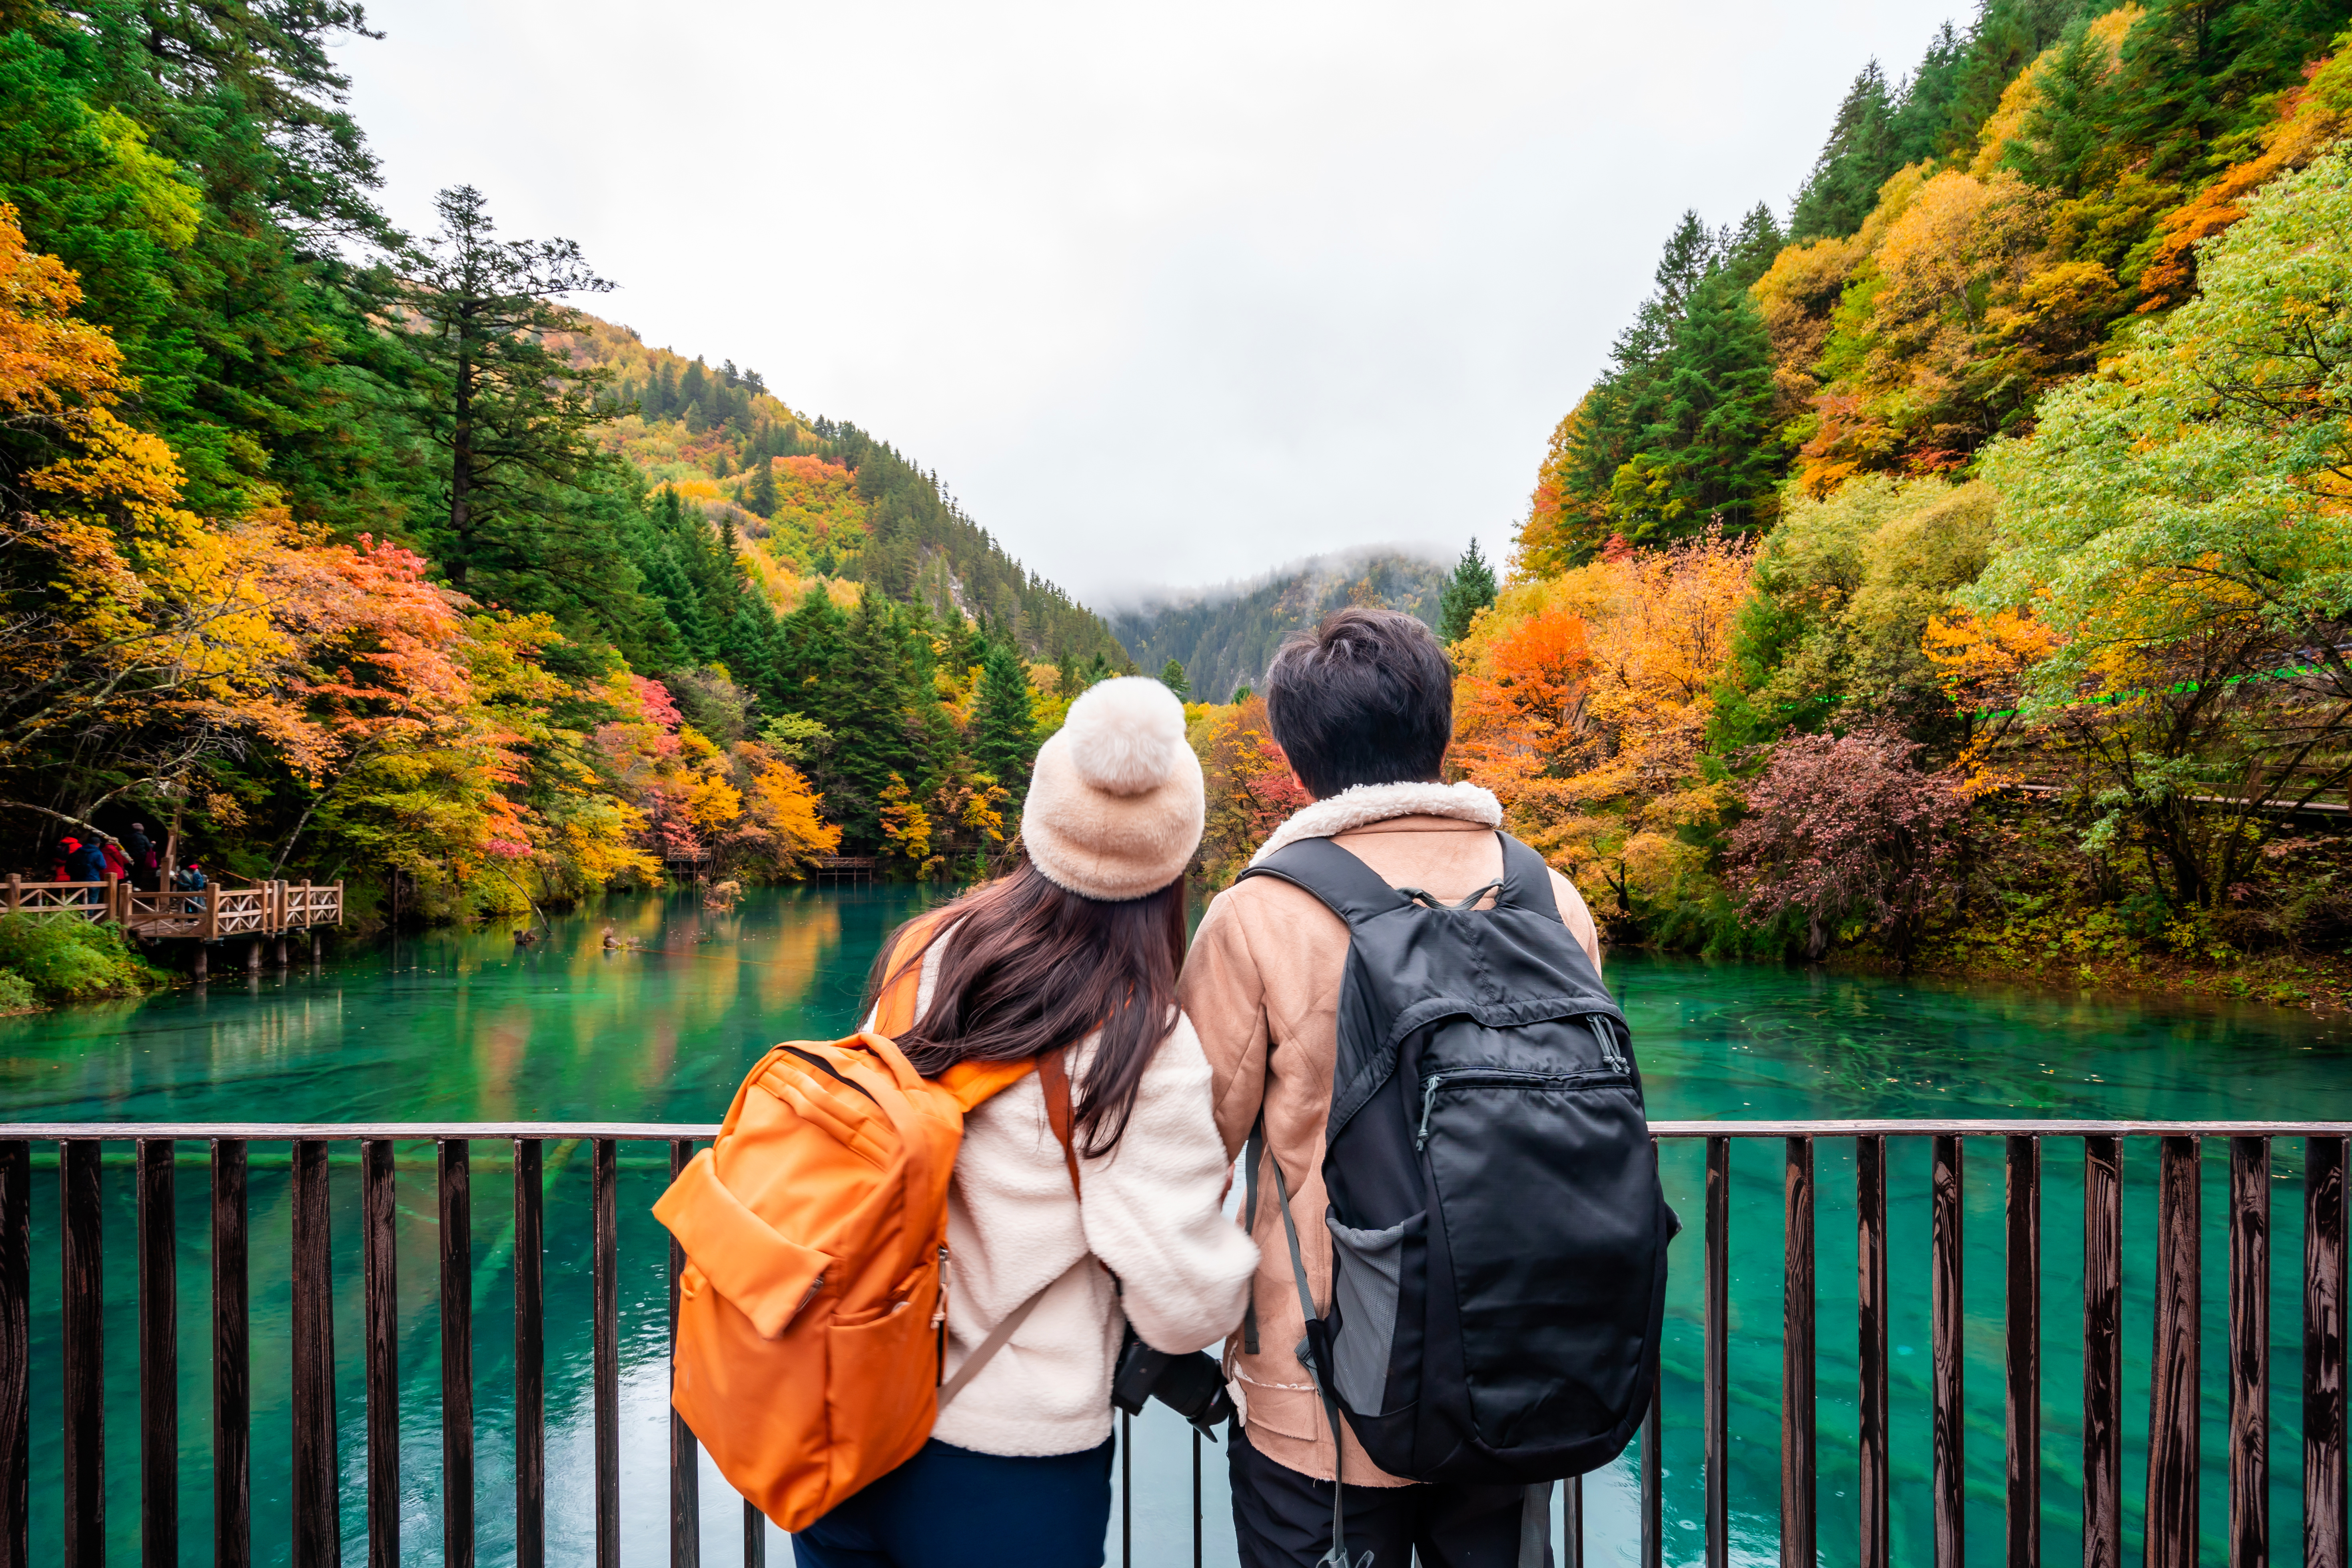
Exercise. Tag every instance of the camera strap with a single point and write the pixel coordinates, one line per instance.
(1255, 1157)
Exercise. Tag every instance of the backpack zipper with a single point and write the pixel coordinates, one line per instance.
(1435, 1081)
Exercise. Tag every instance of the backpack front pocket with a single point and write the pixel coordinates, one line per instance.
(1546, 1190)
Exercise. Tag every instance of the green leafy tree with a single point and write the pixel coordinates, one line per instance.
(1470, 590)
(1171, 676)
(516, 419)
(2177, 525)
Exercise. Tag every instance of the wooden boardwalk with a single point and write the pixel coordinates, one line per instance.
(201, 915)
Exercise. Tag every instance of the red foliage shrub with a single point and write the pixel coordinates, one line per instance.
(1847, 825)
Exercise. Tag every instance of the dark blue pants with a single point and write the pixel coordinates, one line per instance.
(950, 1508)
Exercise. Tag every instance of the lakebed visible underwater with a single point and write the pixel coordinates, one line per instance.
(461, 1026)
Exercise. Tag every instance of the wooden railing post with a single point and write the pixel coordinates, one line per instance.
(1871, 1316)
(2324, 1521)
(82, 1272)
(457, 1353)
(1715, 1389)
(318, 1517)
(1798, 1546)
(15, 1352)
(684, 1493)
(529, 1365)
(2022, 1384)
(232, 1385)
(2250, 1351)
(159, 1359)
(1947, 1354)
(2102, 1352)
(606, 1362)
(2172, 1420)
(380, 1268)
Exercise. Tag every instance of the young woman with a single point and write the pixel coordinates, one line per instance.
(1078, 946)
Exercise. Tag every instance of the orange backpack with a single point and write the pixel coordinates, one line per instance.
(812, 1319)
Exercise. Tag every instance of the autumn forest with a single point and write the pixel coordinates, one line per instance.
(1949, 567)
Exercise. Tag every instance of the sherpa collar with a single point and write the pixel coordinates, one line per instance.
(1367, 804)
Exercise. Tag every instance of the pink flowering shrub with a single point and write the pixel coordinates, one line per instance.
(1846, 826)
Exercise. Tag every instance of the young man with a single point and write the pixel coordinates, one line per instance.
(1363, 706)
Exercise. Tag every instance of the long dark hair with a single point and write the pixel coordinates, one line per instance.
(1032, 966)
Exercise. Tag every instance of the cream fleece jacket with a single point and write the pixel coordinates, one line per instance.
(1152, 1214)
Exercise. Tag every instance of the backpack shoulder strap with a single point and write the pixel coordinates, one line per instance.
(1347, 887)
(1527, 880)
(894, 1009)
(1054, 1078)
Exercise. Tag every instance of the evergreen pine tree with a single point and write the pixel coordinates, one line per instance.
(1171, 676)
(761, 497)
(1470, 590)
(515, 417)
(866, 707)
(1857, 159)
(1006, 737)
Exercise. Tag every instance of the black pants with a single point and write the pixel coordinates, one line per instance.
(1283, 1520)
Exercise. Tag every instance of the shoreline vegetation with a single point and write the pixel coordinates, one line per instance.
(1955, 576)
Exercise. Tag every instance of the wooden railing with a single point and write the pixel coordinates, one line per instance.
(203, 914)
(2174, 1462)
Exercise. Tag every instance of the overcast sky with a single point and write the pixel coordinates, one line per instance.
(1168, 295)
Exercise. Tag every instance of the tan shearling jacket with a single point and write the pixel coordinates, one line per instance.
(1261, 986)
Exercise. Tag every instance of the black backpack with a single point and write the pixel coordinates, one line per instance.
(1498, 1232)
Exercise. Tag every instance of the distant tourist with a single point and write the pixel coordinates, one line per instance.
(144, 858)
(84, 863)
(118, 859)
(190, 879)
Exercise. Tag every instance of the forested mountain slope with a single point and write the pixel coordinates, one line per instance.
(331, 551)
(1975, 233)
(1224, 636)
(1962, 571)
(834, 502)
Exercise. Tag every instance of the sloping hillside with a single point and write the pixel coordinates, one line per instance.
(1224, 636)
(835, 505)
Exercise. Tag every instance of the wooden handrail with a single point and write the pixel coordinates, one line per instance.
(2175, 1460)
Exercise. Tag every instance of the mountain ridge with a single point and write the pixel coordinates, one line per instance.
(1224, 635)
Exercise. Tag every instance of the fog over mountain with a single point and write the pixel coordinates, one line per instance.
(1225, 636)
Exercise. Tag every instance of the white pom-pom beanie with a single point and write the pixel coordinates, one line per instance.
(1114, 806)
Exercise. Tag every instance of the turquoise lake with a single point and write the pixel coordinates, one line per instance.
(465, 1027)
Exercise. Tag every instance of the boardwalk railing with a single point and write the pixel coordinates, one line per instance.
(2174, 1460)
(203, 914)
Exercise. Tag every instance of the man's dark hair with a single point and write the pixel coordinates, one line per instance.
(1366, 698)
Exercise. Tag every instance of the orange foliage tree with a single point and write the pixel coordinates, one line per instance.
(1250, 786)
(1582, 701)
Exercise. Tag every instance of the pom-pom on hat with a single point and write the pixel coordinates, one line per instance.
(1114, 808)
